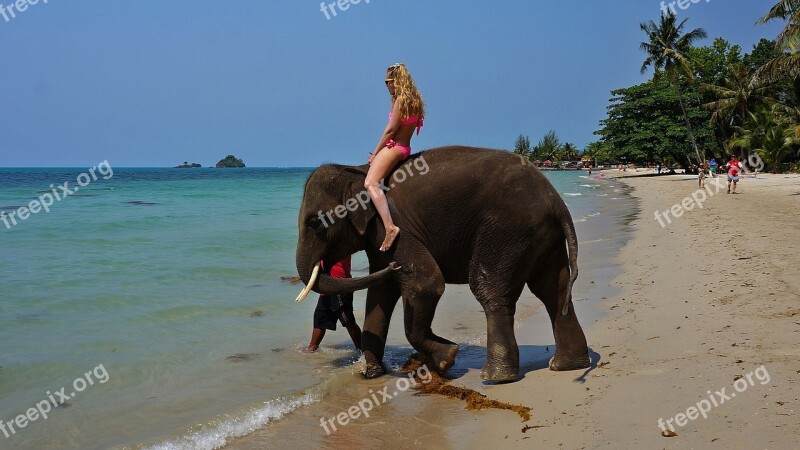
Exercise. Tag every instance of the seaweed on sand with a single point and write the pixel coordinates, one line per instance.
(441, 386)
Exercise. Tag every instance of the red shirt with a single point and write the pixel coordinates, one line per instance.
(341, 269)
(733, 167)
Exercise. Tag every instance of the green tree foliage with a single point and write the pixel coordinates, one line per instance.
(601, 152)
(230, 161)
(783, 89)
(523, 146)
(711, 64)
(788, 43)
(735, 96)
(645, 124)
(549, 147)
(569, 152)
(768, 133)
(762, 53)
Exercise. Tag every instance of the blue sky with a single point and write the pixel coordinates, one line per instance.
(155, 83)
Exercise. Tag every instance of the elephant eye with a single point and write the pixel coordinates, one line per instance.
(315, 224)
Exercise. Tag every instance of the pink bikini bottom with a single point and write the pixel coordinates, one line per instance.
(405, 150)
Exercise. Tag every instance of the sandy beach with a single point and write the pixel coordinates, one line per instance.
(705, 300)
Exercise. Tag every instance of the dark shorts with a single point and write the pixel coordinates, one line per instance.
(331, 308)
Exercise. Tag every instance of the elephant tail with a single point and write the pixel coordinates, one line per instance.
(568, 228)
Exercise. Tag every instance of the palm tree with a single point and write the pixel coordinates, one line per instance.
(735, 97)
(778, 142)
(767, 133)
(666, 49)
(788, 64)
(569, 152)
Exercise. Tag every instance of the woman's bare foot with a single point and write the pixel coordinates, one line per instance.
(389, 239)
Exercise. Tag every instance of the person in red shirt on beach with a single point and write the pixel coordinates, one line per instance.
(331, 308)
(733, 174)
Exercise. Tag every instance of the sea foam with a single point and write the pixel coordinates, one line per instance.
(218, 434)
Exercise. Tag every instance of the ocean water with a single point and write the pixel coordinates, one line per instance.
(154, 299)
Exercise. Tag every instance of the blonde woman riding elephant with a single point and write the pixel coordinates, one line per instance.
(486, 218)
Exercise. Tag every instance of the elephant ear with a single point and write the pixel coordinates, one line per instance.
(361, 217)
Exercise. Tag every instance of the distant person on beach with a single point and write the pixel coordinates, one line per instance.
(658, 169)
(331, 308)
(590, 170)
(701, 175)
(733, 174)
(394, 146)
(712, 168)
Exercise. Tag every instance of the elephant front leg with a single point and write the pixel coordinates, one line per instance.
(419, 307)
(381, 301)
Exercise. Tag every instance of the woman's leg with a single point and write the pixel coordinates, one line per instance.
(383, 162)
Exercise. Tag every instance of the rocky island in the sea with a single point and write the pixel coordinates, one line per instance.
(230, 161)
(186, 165)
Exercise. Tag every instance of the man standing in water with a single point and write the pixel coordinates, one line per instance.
(331, 308)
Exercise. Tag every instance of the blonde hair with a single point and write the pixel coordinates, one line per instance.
(411, 103)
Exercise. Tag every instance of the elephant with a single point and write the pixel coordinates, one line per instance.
(476, 216)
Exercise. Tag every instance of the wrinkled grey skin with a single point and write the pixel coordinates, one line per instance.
(483, 217)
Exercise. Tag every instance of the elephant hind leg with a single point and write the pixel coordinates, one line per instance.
(502, 352)
(497, 288)
(550, 287)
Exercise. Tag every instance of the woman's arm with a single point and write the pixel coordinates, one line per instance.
(391, 127)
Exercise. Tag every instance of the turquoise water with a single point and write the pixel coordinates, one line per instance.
(161, 276)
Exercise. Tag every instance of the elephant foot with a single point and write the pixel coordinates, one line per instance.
(374, 371)
(563, 363)
(445, 358)
(499, 373)
(375, 366)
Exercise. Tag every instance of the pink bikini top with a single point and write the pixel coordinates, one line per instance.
(411, 120)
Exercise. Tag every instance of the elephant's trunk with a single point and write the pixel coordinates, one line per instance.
(327, 285)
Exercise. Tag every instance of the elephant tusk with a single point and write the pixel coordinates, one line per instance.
(304, 292)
